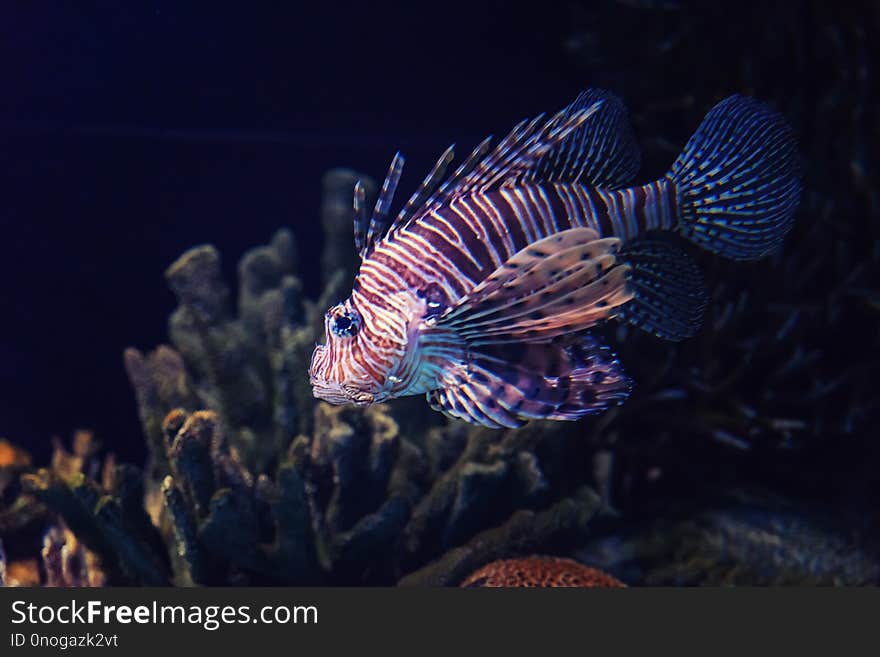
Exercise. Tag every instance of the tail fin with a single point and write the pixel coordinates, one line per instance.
(737, 180)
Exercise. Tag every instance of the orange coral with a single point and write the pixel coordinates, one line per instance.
(540, 572)
(25, 572)
(12, 456)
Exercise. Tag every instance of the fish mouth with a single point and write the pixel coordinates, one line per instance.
(340, 393)
(335, 392)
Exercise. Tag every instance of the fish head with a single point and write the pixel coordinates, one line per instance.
(367, 347)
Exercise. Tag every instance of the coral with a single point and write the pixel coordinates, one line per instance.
(22, 519)
(251, 367)
(537, 571)
(352, 503)
(106, 516)
(67, 562)
(64, 560)
(251, 481)
(523, 532)
(211, 491)
(245, 367)
(12, 457)
(25, 572)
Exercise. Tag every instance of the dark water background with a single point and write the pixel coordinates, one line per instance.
(130, 133)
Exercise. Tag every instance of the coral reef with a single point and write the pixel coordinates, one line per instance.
(543, 572)
(250, 481)
(63, 559)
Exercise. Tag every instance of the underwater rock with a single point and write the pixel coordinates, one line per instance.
(538, 571)
(740, 537)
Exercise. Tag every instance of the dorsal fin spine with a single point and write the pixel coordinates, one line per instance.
(360, 218)
(539, 150)
(429, 184)
(379, 220)
(440, 195)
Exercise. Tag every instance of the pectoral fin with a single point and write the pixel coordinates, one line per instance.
(564, 283)
(505, 385)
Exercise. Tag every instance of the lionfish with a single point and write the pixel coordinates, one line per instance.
(481, 292)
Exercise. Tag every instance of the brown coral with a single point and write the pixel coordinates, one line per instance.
(67, 562)
(64, 559)
(540, 572)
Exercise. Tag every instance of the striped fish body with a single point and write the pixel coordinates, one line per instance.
(481, 294)
(458, 245)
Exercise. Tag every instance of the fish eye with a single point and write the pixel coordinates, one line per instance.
(344, 324)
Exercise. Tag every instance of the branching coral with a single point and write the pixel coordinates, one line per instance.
(250, 481)
(64, 559)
